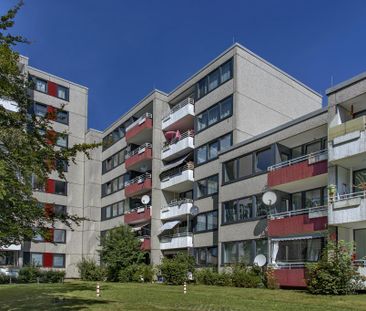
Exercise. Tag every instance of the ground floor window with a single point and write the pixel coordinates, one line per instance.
(360, 243)
(243, 251)
(8, 258)
(206, 256)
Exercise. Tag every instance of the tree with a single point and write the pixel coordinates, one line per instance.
(120, 249)
(334, 273)
(25, 151)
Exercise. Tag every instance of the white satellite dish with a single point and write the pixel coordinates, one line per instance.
(145, 199)
(260, 260)
(269, 198)
(194, 210)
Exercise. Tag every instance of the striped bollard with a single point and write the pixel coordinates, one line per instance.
(98, 290)
(185, 288)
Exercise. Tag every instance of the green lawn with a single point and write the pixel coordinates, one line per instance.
(116, 296)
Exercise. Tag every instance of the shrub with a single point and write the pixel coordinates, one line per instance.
(270, 280)
(175, 270)
(32, 274)
(90, 271)
(51, 276)
(249, 277)
(4, 279)
(334, 273)
(209, 276)
(136, 273)
(29, 274)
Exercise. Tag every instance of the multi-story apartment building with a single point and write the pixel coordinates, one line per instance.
(187, 170)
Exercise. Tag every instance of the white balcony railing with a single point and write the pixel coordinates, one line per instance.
(138, 150)
(314, 157)
(138, 180)
(322, 209)
(139, 121)
(177, 107)
(177, 202)
(189, 133)
(176, 208)
(348, 196)
(176, 171)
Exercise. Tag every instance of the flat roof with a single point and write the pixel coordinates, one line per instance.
(344, 84)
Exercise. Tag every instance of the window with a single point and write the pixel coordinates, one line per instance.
(59, 236)
(112, 211)
(40, 85)
(59, 210)
(308, 148)
(206, 221)
(36, 259)
(206, 256)
(360, 243)
(313, 198)
(62, 140)
(263, 159)
(310, 198)
(206, 187)
(230, 172)
(245, 166)
(62, 92)
(60, 187)
(242, 251)
(297, 201)
(359, 180)
(214, 79)
(214, 114)
(114, 185)
(211, 150)
(114, 136)
(40, 110)
(58, 261)
(62, 116)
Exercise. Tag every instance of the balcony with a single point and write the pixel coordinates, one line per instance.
(179, 179)
(138, 215)
(348, 209)
(140, 131)
(139, 158)
(306, 172)
(178, 146)
(139, 185)
(176, 241)
(145, 243)
(298, 222)
(180, 116)
(290, 277)
(176, 209)
(347, 142)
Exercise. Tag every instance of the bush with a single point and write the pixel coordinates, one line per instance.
(249, 277)
(32, 274)
(209, 276)
(51, 276)
(175, 270)
(4, 279)
(136, 273)
(90, 271)
(270, 280)
(334, 274)
(29, 274)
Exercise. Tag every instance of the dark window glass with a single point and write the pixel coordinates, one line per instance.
(245, 207)
(213, 150)
(201, 188)
(59, 210)
(60, 187)
(40, 85)
(202, 88)
(260, 206)
(226, 71)
(230, 253)
(201, 154)
(313, 198)
(299, 251)
(201, 222)
(40, 110)
(62, 92)
(226, 108)
(201, 121)
(59, 236)
(359, 180)
(313, 147)
(62, 116)
(230, 171)
(245, 252)
(225, 142)
(212, 220)
(296, 152)
(230, 214)
(213, 80)
(245, 166)
(263, 159)
(212, 185)
(58, 260)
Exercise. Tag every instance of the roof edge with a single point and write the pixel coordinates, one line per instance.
(344, 84)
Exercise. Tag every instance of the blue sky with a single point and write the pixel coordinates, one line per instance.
(122, 49)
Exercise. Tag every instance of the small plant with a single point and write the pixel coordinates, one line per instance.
(334, 274)
(90, 271)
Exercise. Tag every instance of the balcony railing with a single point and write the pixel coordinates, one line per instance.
(168, 238)
(139, 121)
(189, 133)
(311, 157)
(298, 212)
(176, 171)
(177, 202)
(177, 107)
(138, 180)
(138, 150)
(348, 196)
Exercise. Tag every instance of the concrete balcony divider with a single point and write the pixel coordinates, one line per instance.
(178, 147)
(176, 209)
(178, 240)
(180, 116)
(139, 185)
(309, 171)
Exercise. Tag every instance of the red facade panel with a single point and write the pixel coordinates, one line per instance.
(296, 172)
(146, 155)
(52, 88)
(50, 186)
(290, 277)
(296, 225)
(137, 217)
(47, 260)
(138, 188)
(139, 128)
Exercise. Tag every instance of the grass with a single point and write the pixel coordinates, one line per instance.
(150, 297)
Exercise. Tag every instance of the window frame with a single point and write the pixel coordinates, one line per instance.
(111, 158)
(205, 214)
(64, 236)
(111, 182)
(66, 187)
(206, 187)
(67, 92)
(207, 249)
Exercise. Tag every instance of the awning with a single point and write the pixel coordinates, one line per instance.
(169, 225)
(174, 163)
(302, 237)
(11, 247)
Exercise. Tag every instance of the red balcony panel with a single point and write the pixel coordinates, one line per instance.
(50, 186)
(298, 224)
(138, 188)
(137, 129)
(144, 156)
(47, 260)
(290, 277)
(146, 244)
(138, 216)
(298, 171)
(52, 88)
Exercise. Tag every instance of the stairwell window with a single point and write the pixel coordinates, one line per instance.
(41, 85)
(206, 187)
(62, 92)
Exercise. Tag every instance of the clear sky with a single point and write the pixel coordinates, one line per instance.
(122, 49)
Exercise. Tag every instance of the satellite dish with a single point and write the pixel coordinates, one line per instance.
(260, 260)
(269, 198)
(194, 210)
(145, 199)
